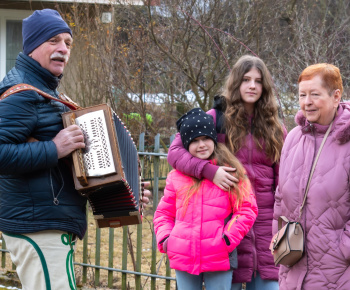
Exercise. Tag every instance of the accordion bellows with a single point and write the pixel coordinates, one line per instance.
(108, 170)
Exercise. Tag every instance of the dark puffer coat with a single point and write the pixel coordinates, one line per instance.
(31, 175)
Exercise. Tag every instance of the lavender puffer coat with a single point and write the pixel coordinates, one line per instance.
(253, 251)
(326, 214)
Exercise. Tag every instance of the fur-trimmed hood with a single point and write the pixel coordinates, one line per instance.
(341, 124)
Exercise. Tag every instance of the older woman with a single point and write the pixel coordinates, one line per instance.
(326, 214)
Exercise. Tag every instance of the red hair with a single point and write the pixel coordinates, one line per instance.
(329, 74)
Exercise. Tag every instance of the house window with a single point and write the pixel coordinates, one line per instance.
(10, 37)
(13, 42)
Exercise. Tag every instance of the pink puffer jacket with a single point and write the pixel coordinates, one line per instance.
(195, 239)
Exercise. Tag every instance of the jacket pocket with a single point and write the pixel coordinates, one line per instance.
(163, 243)
(344, 244)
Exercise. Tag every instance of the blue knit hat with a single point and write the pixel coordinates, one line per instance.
(196, 123)
(40, 27)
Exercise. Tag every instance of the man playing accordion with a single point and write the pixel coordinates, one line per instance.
(41, 213)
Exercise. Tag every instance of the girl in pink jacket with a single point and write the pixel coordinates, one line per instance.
(198, 224)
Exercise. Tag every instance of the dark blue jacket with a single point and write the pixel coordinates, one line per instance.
(31, 175)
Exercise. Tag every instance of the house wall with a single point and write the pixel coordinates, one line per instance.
(26, 5)
(41, 4)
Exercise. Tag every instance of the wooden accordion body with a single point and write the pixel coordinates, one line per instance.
(107, 171)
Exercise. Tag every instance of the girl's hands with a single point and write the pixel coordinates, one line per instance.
(224, 177)
(146, 194)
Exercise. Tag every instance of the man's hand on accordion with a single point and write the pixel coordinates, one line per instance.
(68, 140)
(146, 194)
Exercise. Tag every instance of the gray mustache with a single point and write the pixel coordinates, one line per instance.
(59, 55)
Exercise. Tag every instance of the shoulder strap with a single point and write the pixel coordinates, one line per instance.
(280, 220)
(25, 87)
(314, 166)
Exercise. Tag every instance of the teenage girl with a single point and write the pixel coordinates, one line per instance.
(246, 118)
(197, 223)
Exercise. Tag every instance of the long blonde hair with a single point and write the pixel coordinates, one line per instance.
(267, 126)
(223, 157)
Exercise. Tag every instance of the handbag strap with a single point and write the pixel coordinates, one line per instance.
(25, 87)
(282, 219)
(314, 166)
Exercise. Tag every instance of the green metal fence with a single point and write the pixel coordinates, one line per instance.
(144, 273)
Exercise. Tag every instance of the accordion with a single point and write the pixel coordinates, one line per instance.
(108, 170)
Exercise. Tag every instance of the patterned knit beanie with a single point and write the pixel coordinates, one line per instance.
(40, 27)
(196, 123)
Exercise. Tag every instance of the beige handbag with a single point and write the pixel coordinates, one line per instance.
(287, 245)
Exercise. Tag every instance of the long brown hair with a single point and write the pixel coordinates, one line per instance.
(223, 157)
(268, 131)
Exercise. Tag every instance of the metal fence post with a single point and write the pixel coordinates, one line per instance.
(139, 227)
(168, 270)
(125, 255)
(110, 257)
(85, 251)
(172, 137)
(155, 204)
(98, 256)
